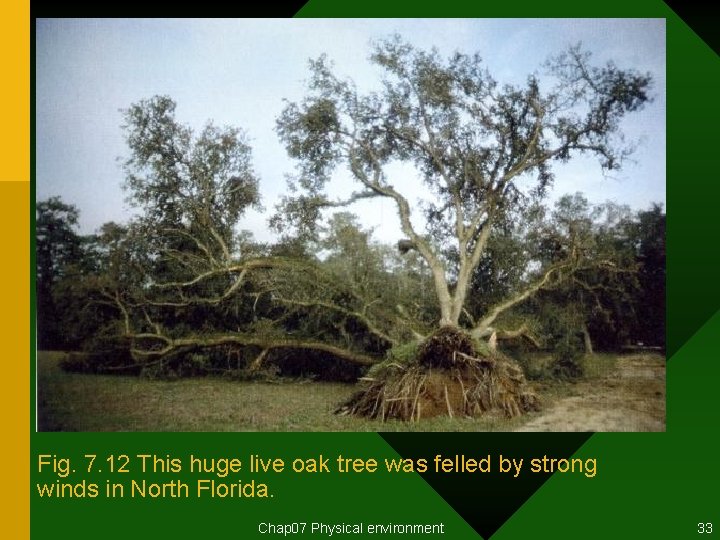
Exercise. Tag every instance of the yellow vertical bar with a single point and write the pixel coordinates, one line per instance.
(15, 89)
(14, 264)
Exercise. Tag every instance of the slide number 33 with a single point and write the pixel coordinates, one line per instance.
(704, 528)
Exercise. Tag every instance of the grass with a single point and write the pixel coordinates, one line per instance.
(599, 365)
(79, 402)
(595, 366)
(617, 393)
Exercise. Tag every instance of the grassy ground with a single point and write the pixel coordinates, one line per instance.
(76, 402)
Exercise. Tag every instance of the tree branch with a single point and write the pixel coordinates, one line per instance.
(268, 344)
(360, 316)
(522, 331)
(496, 310)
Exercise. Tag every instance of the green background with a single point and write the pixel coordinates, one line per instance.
(655, 485)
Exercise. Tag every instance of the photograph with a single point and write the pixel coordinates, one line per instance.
(350, 225)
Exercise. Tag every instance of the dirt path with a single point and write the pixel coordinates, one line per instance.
(631, 398)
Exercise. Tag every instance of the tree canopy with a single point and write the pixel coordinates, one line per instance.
(484, 150)
(57, 247)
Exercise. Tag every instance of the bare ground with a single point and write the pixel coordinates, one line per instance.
(631, 397)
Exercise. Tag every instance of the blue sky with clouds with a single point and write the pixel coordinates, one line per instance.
(238, 72)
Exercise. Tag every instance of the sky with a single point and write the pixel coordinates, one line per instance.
(238, 72)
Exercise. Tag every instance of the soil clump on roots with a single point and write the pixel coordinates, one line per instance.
(448, 374)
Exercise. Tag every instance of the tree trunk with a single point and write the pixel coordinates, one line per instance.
(587, 339)
(446, 301)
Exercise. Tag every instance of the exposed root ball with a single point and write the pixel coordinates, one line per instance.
(454, 384)
(439, 350)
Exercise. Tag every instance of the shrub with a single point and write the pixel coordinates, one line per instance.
(568, 362)
(102, 354)
(398, 357)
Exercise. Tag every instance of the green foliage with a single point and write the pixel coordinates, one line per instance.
(268, 373)
(192, 188)
(113, 363)
(405, 353)
(78, 363)
(399, 357)
(482, 349)
(313, 365)
(102, 353)
(169, 369)
(57, 245)
(647, 234)
(58, 249)
(595, 297)
(568, 360)
(532, 370)
(487, 134)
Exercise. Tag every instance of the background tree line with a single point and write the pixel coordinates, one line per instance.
(74, 311)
